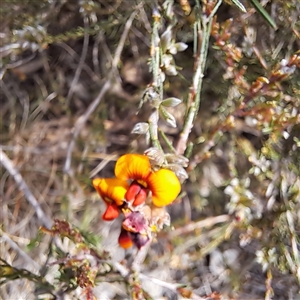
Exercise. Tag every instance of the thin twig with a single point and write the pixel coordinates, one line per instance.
(8, 165)
(95, 77)
(208, 222)
(95, 54)
(209, 239)
(140, 257)
(19, 63)
(157, 81)
(103, 163)
(171, 286)
(200, 62)
(121, 269)
(81, 62)
(41, 107)
(5, 237)
(83, 118)
(123, 38)
(80, 124)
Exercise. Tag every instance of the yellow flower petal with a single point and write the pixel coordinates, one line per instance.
(133, 166)
(164, 186)
(111, 189)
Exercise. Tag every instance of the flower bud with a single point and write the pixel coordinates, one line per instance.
(155, 155)
(171, 102)
(140, 128)
(170, 119)
(171, 70)
(165, 39)
(124, 239)
(177, 159)
(181, 46)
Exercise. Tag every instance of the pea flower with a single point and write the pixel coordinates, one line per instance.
(163, 184)
(112, 192)
(134, 230)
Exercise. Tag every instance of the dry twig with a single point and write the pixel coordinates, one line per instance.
(208, 222)
(5, 238)
(83, 118)
(81, 62)
(8, 165)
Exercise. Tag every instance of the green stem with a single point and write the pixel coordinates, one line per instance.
(155, 49)
(167, 141)
(200, 62)
(206, 30)
(153, 129)
(157, 82)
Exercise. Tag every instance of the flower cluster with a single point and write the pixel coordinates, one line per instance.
(135, 186)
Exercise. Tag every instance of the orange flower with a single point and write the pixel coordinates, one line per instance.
(133, 166)
(163, 183)
(112, 191)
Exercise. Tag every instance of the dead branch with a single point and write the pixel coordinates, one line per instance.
(11, 169)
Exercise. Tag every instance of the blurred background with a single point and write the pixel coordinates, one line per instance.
(63, 124)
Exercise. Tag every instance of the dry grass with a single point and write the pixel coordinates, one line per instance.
(70, 90)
